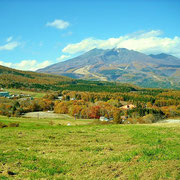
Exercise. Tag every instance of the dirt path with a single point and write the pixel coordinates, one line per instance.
(170, 121)
(48, 114)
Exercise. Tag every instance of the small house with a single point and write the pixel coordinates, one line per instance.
(128, 106)
(60, 97)
(4, 94)
(124, 118)
(102, 118)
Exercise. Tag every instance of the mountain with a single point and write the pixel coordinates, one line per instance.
(120, 64)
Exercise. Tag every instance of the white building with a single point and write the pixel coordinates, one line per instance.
(102, 118)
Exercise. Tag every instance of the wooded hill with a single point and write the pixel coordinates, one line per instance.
(26, 80)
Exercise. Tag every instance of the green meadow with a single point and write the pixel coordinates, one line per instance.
(31, 93)
(49, 149)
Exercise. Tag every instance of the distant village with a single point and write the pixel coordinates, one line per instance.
(124, 118)
(6, 94)
(102, 118)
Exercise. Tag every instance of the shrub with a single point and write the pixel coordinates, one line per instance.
(13, 125)
(2, 125)
(51, 123)
(117, 117)
(149, 118)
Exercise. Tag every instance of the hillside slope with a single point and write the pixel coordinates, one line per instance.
(122, 65)
(12, 78)
(25, 80)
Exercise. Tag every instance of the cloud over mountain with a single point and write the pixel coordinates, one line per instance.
(146, 42)
(29, 65)
(63, 57)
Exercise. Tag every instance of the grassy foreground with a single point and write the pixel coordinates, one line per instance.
(38, 149)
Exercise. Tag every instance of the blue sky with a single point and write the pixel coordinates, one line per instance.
(37, 33)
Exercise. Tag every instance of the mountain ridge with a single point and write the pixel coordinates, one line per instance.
(123, 65)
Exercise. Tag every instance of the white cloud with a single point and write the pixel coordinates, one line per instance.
(82, 46)
(5, 64)
(59, 24)
(144, 34)
(63, 57)
(28, 65)
(31, 65)
(9, 46)
(9, 39)
(146, 42)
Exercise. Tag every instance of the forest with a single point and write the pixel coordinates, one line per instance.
(149, 105)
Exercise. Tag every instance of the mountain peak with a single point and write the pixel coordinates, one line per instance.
(94, 51)
(120, 49)
(167, 58)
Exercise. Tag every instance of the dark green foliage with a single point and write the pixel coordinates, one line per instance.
(144, 111)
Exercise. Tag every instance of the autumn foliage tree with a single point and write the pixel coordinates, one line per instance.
(94, 112)
(117, 117)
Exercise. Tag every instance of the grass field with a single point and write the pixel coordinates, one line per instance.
(33, 94)
(54, 118)
(39, 149)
